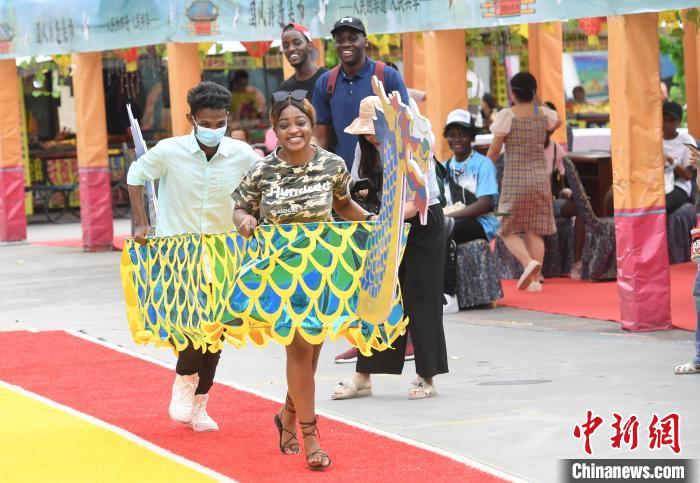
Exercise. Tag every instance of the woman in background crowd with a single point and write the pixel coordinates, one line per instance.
(242, 134)
(525, 188)
(420, 279)
(489, 108)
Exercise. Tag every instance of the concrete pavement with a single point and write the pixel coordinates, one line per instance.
(519, 381)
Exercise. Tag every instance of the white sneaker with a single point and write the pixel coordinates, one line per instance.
(182, 400)
(201, 421)
(451, 306)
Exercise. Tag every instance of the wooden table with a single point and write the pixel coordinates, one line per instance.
(589, 118)
(595, 170)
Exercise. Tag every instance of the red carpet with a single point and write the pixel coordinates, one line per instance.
(133, 394)
(78, 243)
(600, 300)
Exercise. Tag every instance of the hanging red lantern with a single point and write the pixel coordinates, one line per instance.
(257, 49)
(129, 77)
(591, 26)
(130, 57)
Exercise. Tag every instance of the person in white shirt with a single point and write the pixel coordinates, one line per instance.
(197, 174)
(677, 177)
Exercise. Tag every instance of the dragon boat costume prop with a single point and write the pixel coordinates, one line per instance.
(335, 279)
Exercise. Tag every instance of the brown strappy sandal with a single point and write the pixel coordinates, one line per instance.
(314, 432)
(292, 443)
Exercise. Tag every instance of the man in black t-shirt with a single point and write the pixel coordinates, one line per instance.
(297, 48)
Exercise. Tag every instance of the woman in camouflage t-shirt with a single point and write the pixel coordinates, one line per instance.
(297, 183)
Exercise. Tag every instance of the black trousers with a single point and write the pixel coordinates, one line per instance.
(467, 229)
(192, 361)
(420, 276)
(675, 199)
(464, 230)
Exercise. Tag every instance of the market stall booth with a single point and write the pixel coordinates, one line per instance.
(135, 76)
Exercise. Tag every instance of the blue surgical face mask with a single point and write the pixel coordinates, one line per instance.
(208, 136)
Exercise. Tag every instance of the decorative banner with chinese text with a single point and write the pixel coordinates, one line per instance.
(47, 27)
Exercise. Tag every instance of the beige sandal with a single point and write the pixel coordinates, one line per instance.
(421, 389)
(689, 368)
(531, 272)
(347, 389)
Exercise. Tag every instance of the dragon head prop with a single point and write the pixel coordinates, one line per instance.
(406, 136)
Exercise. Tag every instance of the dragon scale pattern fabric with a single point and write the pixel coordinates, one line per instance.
(295, 278)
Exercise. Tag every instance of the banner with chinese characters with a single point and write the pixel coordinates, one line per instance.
(45, 27)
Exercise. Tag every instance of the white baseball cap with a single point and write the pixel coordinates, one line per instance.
(464, 118)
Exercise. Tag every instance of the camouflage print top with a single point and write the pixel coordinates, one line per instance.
(278, 192)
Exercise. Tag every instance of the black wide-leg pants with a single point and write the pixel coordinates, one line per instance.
(421, 277)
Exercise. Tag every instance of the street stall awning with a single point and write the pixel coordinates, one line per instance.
(34, 27)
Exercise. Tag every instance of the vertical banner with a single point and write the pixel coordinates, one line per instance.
(445, 57)
(184, 72)
(93, 160)
(545, 50)
(691, 50)
(638, 181)
(24, 135)
(13, 219)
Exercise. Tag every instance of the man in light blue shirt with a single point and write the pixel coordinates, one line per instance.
(197, 174)
(470, 189)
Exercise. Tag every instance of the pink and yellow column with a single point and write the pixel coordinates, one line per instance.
(93, 161)
(13, 220)
(638, 181)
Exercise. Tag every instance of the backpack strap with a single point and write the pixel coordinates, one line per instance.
(379, 67)
(379, 70)
(332, 80)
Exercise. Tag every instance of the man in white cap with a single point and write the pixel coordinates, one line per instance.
(470, 189)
